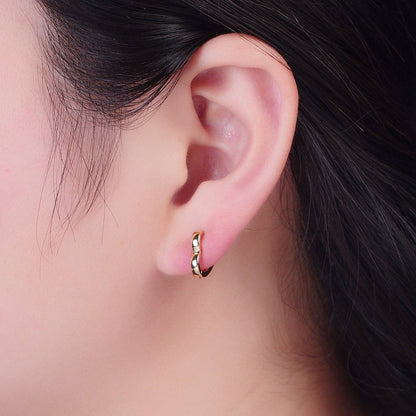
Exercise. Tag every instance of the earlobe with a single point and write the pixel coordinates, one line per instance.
(245, 103)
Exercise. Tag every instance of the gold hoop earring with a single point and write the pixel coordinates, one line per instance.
(196, 254)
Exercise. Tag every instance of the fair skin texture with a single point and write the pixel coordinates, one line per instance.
(106, 318)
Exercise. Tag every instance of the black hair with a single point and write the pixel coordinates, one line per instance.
(353, 156)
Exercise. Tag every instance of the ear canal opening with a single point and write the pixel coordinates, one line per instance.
(204, 163)
(219, 148)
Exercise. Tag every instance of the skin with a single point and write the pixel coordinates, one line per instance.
(103, 317)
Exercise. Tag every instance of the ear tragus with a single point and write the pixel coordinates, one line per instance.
(204, 163)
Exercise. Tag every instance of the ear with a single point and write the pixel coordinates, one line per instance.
(241, 101)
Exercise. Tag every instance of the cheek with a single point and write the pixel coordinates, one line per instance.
(60, 316)
(23, 131)
(65, 317)
(68, 315)
(24, 151)
(23, 164)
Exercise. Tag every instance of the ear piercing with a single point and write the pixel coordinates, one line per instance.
(196, 254)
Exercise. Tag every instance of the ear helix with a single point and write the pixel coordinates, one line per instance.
(196, 255)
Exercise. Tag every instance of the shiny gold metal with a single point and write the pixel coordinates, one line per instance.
(196, 254)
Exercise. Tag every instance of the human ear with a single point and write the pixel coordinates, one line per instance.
(241, 100)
